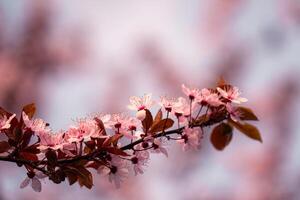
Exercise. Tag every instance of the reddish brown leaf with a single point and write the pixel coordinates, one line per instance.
(116, 151)
(4, 146)
(161, 125)
(100, 125)
(158, 117)
(148, 121)
(29, 110)
(112, 140)
(248, 129)
(28, 156)
(246, 114)
(221, 136)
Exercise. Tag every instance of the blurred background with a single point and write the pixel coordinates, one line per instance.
(76, 57)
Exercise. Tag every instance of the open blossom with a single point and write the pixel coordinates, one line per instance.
(4, 122)
(159, 147)
(48, 140)
(167, 103)
(84, 130)
(192, 93)
(124, 124)
(190, 138)
(105, 120)
(233, 112)
(140, 160)
(232, 94)
(36, 125)
(117, 172)
(209, 98)
(33, 178)
(140, 104)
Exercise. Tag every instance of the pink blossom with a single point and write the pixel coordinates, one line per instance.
(140, 104)
(48, 140)
(140, 160)
(36, 125)
(190, 138)
(167, 103)
(233, 112)
(192, 93)
(34, 179)
(83, 131)
(182, 110)
(232, 94)
(209, 98)
(123, 124)
(159, 147)
(4, 122)
(117, 172)
(105, 118)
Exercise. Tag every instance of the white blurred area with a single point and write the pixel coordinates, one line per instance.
(140, 46)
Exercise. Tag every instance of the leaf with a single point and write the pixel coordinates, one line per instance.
(4, 146)
(29, 110)
(163, 124)
(221, 136)
(72, 176)
(246, 114)
(112, 140)
(221, 82)
(28, 156)
(100, 125)
(51, 157)
(148, 121)
(158, 117)
(85, 177)
(116, 151)
(248, 129)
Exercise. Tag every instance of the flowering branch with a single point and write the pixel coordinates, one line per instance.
(115, 144)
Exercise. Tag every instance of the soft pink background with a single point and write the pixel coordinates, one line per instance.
(76, 57)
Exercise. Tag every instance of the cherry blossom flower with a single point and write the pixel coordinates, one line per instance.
(140, 160)
(232, 94)
(192, 93)
(36, 125)
(105, 118)
(123, 124)
(158, 147)
(117, 172)
(33, 178)
(190, 138)
(182, 109)
(140, 104)
(48, 140)
(167, 103)
(209, 98)
(83, 131)
(4, 122)
(233, 112)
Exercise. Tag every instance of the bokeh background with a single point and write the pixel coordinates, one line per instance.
(73, 58)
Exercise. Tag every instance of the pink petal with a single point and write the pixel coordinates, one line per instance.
(36, 184)
(25, 183)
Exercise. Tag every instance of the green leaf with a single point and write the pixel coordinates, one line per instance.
(246, 114)
(161, 125)
(248, 129)
(221, 136)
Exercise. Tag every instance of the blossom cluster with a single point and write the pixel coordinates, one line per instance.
(116, 145)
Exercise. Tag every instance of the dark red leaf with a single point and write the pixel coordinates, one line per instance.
(4, 146)
(161, 125)
(248, 129)
(116, 151)
(148, 121)
(29, 110)
(221, 136)
(246, 114)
